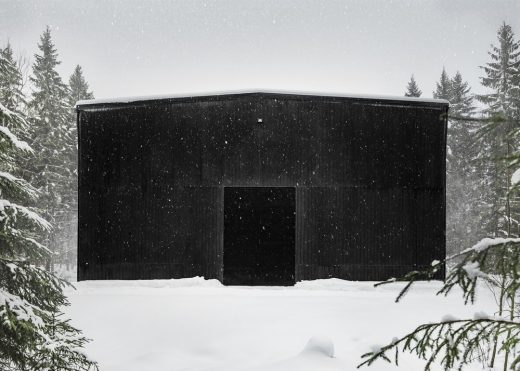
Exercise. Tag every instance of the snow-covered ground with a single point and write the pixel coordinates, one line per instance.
(197, 324)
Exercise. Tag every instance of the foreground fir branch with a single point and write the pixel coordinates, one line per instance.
(491, 255)
(452, 342)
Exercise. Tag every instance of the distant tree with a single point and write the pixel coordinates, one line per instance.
(462, 129)
(33, 333)
(461, 100)
(502, 74)
(463, 190)
(78, 86)
(412, 89)
(78, 90)
(51, 135)
(444, 88)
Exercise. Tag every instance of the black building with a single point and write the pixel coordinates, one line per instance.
(260, 188)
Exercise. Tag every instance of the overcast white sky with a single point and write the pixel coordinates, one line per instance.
(141, 47)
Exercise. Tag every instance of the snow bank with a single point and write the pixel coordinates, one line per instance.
(157, 284)
(336, 284)
(328, 284)
(199, 325)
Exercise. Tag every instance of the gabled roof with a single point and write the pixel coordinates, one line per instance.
(222, 94)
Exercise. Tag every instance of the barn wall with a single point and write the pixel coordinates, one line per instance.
(359, 233)
(137, 219)
(369, 177)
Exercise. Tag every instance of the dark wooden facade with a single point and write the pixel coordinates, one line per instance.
(368, 177)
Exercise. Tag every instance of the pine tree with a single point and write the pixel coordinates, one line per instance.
(51, 134)
(444, 88)
(33, 333)
(412, 89)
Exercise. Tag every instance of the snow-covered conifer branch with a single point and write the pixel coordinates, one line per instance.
(488, 256)
(10, 210)
(11, 115)
(452, 343)
(16, 186)
(13, 139)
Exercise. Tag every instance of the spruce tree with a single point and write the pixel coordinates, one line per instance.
(502, 74)
(501, 77)
(78, 86)
(461, 100)
(443, 89)
(33, 333)
(52, 137)
(412, 89)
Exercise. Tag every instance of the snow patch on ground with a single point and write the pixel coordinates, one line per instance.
(320, 345)
(318, 354)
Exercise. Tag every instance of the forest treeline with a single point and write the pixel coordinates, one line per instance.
(482, 148)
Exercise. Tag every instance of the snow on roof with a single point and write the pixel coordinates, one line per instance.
(259, 91)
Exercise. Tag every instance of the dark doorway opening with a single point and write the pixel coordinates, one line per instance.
(259, 232)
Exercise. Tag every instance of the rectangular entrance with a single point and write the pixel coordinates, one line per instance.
(259, 233)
